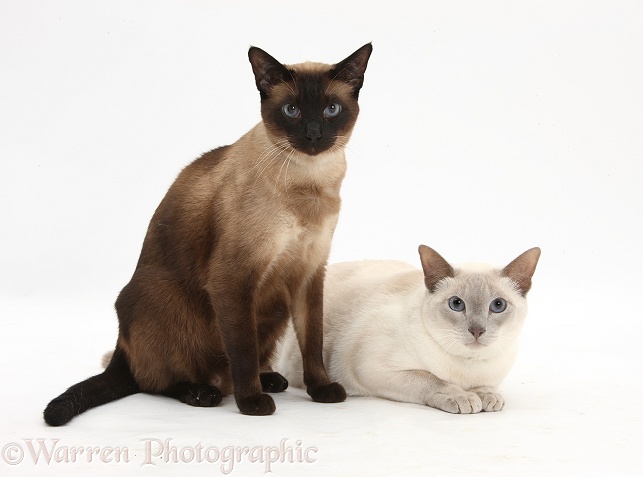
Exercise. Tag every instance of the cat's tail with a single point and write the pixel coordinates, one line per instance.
(112, 384)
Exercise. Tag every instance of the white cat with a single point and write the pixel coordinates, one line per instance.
(444, 338)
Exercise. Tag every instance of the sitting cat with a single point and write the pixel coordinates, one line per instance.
(236, 249)
(444, 338)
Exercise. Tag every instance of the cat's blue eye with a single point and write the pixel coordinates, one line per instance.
(456, 303)
(498, 305)
(332, 110)
(291, 110)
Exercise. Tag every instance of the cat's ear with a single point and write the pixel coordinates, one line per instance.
(268, 71)
(522, 269)
(351, 70)
(435, 267)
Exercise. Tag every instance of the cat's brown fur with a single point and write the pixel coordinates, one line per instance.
(238, 245)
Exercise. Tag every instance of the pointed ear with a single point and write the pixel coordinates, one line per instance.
(268, 71)
(435, 267)
(522, 269)
(351, 70)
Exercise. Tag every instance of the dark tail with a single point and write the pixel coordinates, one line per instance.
(112, 384)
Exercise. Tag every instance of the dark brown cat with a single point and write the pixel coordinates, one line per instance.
(238, 246)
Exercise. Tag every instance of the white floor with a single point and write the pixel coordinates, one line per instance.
(572, 409)
(486, 128)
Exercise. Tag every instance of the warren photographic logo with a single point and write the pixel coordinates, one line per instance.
(157, 452)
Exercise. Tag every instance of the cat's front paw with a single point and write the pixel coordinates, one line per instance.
(491, 401)
(333, 392)
(457, 402)
(197, 395)
(261, 405)
(272, 382)
(202, 395)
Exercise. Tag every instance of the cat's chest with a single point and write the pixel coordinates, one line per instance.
(294, 251)
(469, 373)
(305, 223)
(295, 241)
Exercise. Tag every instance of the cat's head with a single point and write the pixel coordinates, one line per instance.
(309, 107)
(476, 310)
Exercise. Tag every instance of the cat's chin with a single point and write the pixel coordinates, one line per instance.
(477, 350)
(307, 148)
(328, 157)
(474, 350)
(313, 152)
(475, 345)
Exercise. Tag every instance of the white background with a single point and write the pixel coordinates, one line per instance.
(486, 128)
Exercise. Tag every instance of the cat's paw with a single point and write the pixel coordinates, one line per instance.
(272, 382)
(202, 395)
(261, 405)
(333, 392)
(457, 402)
(491, 401)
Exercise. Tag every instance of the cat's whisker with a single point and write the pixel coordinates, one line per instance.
(283, 163)
(286, 162)
(266, 155)
(446, 339)
(448, 346)
(287, 166)
(343, 142)
(504, 344)
(267, 163)
(269, 155)
(340, 144)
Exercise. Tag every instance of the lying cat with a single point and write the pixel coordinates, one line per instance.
(444, 338)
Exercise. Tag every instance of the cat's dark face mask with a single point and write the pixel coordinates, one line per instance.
(311, 112)
(309, 107)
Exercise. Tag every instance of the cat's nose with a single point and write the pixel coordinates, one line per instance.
(313, 131)
(476, 331)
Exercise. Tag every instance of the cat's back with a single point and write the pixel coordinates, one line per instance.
(181, 228)
(200, 172)
(368, 273)
(361, 285)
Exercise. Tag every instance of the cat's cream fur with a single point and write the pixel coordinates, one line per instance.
(389, 330)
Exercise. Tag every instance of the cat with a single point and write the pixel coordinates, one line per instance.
(236, 249)
(441, 336)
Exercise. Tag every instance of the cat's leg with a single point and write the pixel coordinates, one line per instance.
(491, 400)
(309, 327)
(238, 328)
(198, 395)
(153, 311)
(271, 381)
(422, 387)
(287, 359)
(274, 316)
